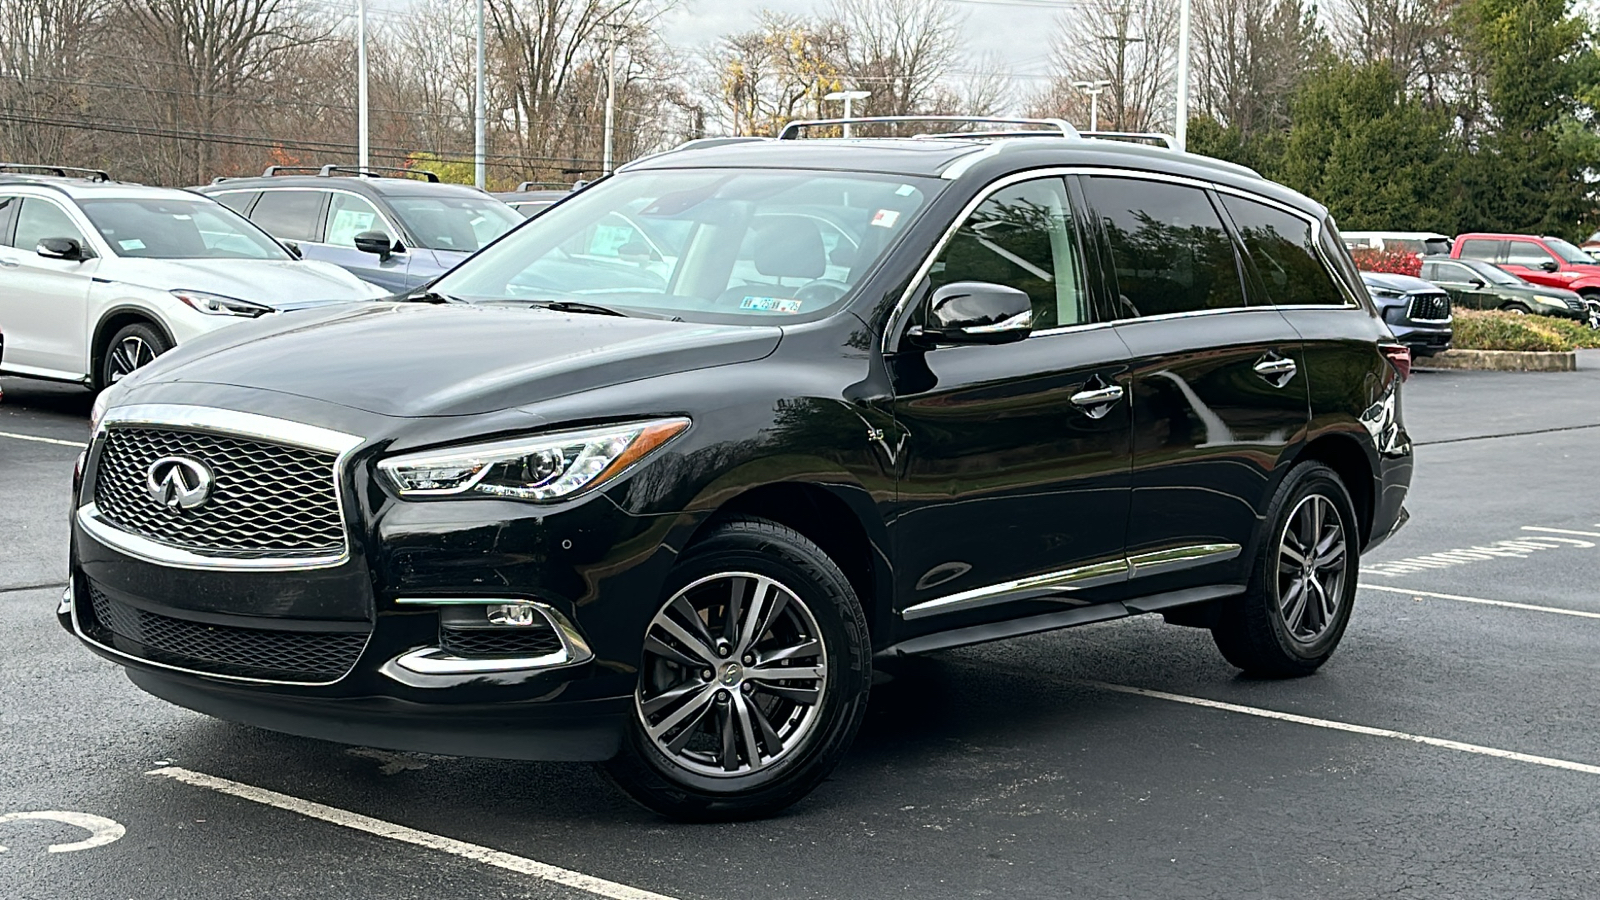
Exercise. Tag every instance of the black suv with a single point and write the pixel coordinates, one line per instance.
(395, 228)
(810, 403)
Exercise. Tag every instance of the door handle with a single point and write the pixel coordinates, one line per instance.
(1096, 402)
(9, 263)
(1277, 370)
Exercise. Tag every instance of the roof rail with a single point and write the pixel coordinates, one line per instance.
(1134, 137)
(273, 170)
(59, 171)
(432, 177)
(1061, 127)
(543, 186)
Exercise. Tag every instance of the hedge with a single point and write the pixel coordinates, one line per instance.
(1495, 330)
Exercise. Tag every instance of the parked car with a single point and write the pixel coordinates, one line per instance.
(397, 228)
(1422, 243)
(529, 200)
(1053, 381)
(1475, 284)
(99, 277)
(1418, 313)
(1548, 261)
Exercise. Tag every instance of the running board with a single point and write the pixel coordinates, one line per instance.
(1083, 615)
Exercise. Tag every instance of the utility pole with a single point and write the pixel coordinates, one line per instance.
(1181, 132)
(611, 29)
(1119, 91)
(480, 167)
(361, 83)
(1094, 89)
(848, 97)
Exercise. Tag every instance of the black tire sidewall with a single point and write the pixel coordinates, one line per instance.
(1303, 481)
(149, 333)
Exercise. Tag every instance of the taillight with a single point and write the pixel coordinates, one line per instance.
(1399, 356)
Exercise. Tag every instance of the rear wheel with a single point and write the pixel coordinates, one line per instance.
(1516, 308)
(753, 680)
(1294, 612)
(132, 347)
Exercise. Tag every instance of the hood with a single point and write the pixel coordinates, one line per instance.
(404, 359)
(278, 283)
(1405, 284)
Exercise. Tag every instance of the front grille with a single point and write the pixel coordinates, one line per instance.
(523, 642)
(303, 656)
(1429, 308)
(267, 500)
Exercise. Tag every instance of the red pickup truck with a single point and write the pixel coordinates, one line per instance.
(1549, 261)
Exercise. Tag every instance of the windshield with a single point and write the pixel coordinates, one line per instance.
(1492, 273)
(1568, 252)
(727, 245)
(179, 229)
(455, 223)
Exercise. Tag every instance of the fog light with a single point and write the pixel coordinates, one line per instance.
(513, 614)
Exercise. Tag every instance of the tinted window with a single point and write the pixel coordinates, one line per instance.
(348, 216)
(1527, 253)
(1022, 237)
(1284, 251)
(40, 219)
(168, 228)
(289, 215)
(1478, 248)
(1168, 247)
(8, 209)
(238, 201)
(1455, 273)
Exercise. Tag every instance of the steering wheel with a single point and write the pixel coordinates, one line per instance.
(822, 291)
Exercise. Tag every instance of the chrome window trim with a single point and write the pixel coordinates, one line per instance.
(393, 230)
(77, 629)
(235, 424)
(900, 308)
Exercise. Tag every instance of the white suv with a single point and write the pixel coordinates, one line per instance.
(99, 277)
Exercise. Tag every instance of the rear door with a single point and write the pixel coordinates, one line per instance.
(44, 302)
(1218, 387)
(292, 214)
(1015, 460)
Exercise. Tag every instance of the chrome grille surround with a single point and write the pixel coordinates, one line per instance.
(277, 503)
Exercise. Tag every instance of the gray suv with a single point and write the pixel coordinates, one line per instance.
(396, 228)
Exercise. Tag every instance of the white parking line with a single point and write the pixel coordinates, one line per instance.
(1507, 603)
(490, 857)
(1561, 531)
(42, 440)
(1353, 729)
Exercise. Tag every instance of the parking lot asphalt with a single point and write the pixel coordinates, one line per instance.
(1450, 749)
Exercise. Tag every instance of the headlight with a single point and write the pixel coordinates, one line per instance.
(1386, 293)
(218, 305)
(542, 467)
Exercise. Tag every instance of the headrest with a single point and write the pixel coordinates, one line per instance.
(790, 247)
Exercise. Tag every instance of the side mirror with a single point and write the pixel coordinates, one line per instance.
(975, 312)
(1477, 282)
(293, 248)
(1550, 265)
(375, 242)
(61, 248)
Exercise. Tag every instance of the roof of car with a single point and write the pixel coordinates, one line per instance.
(514, 197)
(391, 187)
(87, 189)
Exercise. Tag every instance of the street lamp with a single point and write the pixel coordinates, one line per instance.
(848, 97)
(361, 83)
(1181, 132)
(1094, 89)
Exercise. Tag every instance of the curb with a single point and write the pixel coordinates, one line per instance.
(1501, 361)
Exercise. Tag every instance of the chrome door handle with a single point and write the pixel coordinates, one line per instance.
(1277, 370)
(1096, 402)
(9, 263)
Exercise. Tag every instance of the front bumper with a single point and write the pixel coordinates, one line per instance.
(1424, 340)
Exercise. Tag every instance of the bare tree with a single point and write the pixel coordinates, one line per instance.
(1250, 56)
(1130, 43)
(900, 50)
(43, 46)
(1412, 36)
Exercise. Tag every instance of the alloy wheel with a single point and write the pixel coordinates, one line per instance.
(130, 353)
(734, 675)
(1312, 568)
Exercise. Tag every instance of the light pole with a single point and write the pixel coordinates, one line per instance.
(361, 83)
(848, 97)
(1094, 89)
(480, 173)
(611, 95)
(1182, 131)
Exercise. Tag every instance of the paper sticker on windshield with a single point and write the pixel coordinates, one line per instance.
(131, 244)
(905, 190)
(885, 218)
(771, 304)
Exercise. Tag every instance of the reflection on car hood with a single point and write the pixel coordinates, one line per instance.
(273, 282)
(402, 359)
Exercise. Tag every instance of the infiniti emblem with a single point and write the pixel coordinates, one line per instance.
(178, 482)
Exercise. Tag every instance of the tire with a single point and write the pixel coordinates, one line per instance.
(1274, 629)
(133, 346)
(1516, 309)
(689, 770)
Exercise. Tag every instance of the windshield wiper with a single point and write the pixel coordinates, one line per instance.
(573, 306)
(430, 297)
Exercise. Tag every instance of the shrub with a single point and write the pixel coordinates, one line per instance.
(1393, 262)
(1478, 330)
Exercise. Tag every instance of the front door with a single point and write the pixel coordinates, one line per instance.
(44, 301)
(1467, 289)
(1015, 459)
(348, 216)
(1218, 385)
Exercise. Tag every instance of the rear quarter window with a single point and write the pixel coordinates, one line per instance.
(1282, 247)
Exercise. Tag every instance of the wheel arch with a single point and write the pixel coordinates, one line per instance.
(116, 318)
(1348, 458)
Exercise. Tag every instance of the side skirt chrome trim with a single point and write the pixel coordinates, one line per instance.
(1179, 558)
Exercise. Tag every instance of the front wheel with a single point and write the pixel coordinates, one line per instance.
(753, 679)
(132, 347)
(1516, 309)
(1303, 585)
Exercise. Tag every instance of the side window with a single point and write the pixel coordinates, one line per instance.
(1430, 271)
(348, 216)
(1169, 250)
(1283, 249)
(8, 211)
(1454, 273)
(1022, 236)
(40, 219)
(1527, 253)
(238, 201)
(289, 215)
(1479, 248)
